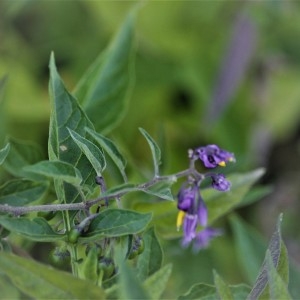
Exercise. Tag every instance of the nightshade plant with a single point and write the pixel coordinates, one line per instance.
(69, 201)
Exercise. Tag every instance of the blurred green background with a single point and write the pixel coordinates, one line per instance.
(222, 72)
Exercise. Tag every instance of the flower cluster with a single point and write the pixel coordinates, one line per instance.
(192, 209)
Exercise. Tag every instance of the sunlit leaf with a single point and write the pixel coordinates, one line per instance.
(43, 282)
(91, 151)
(105, 87)
(36, 229)
(21, 192)
(155, 150)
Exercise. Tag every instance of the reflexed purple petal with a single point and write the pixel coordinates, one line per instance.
(204, 237)
(220, 183)
(189, 229)
(202, 213)
(186, 198)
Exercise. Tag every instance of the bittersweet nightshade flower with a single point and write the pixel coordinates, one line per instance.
(203, 238)
(212, 156)
(220, 183)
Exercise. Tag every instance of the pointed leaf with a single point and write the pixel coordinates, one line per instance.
(156, 283)
(43, 282)
(36, 229)
(116, 222)
(105, 87)
(280, 261)
(66, 113)
(150, 260)
(200, 291)
(161, 190)
(278, 288)
(21, 192)
(156, 153)
(57, 170)
(91, 151)
(4, 152)
(111, 149)
(21, 154)
(223, 290)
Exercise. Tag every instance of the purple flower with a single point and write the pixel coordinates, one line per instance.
(203, 238)
(220, 183)
(212, 156)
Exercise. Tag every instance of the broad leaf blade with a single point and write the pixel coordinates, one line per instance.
(156, 283)
(66, 113)
(56, 170)
(4, 152)
(36, 229)
(155, 150)
(277, 286)
(91, 151)
(104, 89)
(111, 149)
(21, 154)
(200, 291)
(43, 282)
(114, 223)
(21, 192)
(280, 261)
(151, 259)
(223, 290)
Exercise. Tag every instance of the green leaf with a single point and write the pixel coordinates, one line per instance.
(21, 154)
(4, 152)
(277, 286)
(111, 149)
(249, 245)
(240, 291)
(57, 170)
(43, 282)
(223, 290)
(220, 203)
(91, 151)
(21, 192)
(156, 283)
(156, 153)
(66, 113)
(105, 87)
(114, 223)
(150, 260)
(8, 291)
(200, 291)
(161, 190)
(88, 268)
(36, 229)
(129, 285)
(280, 261)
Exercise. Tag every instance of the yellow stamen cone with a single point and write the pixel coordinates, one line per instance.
(180, 218)
(222, 164)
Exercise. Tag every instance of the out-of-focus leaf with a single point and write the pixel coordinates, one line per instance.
(3, 153)
(156, 283)
(36, 229)
(57, 170)
(277, 287)
(280, 261)
(21, 192)
(8, 291)
(218, 203)
(104, 89)
(112, 150)
(156, 153)
(240, 291)
(91, 151)
(66, 113)
(249, 246)
(150, 260)
(222, 289)
(43, 282)
(88, 269)
(21, 154)
(200, 291)
(116, 222)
